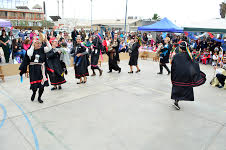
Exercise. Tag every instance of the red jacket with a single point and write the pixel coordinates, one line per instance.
(105, 45)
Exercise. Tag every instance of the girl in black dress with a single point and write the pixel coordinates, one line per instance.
(55, 68)
(164, 56)
(81, 61)
(134, 55)
(35, 58)
(185, 75)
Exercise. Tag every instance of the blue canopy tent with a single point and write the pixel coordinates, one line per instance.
(164, 25)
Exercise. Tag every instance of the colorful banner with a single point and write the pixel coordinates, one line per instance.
(192, 36)
(215, 39)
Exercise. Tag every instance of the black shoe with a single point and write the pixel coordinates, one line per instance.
(93, 74)
(83, 82)
(59, 87)
(33, 97)
(109, 71)
(101, 72)
(54, 88)
(40, 101)
(159, 73)
(220, 86)
(138, 71)
(79, 82)
(176, 105)
(119, 71)
(169, 73)
(130, 72)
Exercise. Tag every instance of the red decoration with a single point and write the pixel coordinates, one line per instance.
(211, 35)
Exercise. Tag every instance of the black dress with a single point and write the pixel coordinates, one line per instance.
(36, 66)
(81, 70)
(164, 56)
(117, 50)
(185, 75)
(95, 53)
(55, 68)
(113, 57)
(134, 54)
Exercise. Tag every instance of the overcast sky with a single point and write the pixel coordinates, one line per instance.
(181, 11)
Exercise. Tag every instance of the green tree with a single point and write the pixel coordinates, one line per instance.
(156, 17)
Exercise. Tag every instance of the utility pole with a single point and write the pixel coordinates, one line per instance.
(125, 16)
(58, 2)
(91, 15)
(62, 8)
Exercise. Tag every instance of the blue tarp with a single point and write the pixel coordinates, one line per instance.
(164, 25)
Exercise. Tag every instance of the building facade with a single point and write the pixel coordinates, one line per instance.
(23, 17)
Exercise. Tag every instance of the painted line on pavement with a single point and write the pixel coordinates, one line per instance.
(4, 115)
(27, 119)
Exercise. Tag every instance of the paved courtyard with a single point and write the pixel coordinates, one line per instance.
(113, 112)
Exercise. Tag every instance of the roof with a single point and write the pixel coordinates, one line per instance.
(164, 25)
(108, 22)
(212, 25)
(21, 10)
(37, 6)
(55, 18)
(22, 7)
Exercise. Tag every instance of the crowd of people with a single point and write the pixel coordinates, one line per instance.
(50, 53)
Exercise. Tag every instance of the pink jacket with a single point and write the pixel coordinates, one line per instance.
(26, 46)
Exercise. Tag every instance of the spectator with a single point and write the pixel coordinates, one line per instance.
(33, 34)
(4, 41)
(26, 44)
(112, 33)
(11, 37)
(83, 34)
(17, 48)
(60, 36)
(215, 59)
(145, 39)
(54, 32)
(69, 44)
(22, 34)
(74, 35)
(221, 73)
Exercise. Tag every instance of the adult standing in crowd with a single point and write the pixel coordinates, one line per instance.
(74, 34)
(27, 44)
(4, 41)
(164, 56)
(145, 39)
(22, 34)
(54, 32)
(134, 55)
(83, 34)
(185, 75)
(112, 33)
(60, 36)
(33, 34)
(36, 59)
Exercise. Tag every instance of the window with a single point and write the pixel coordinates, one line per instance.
(3, 14)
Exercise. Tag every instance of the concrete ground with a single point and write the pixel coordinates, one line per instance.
(113, 112)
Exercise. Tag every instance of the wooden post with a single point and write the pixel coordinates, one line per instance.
(1, 74)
